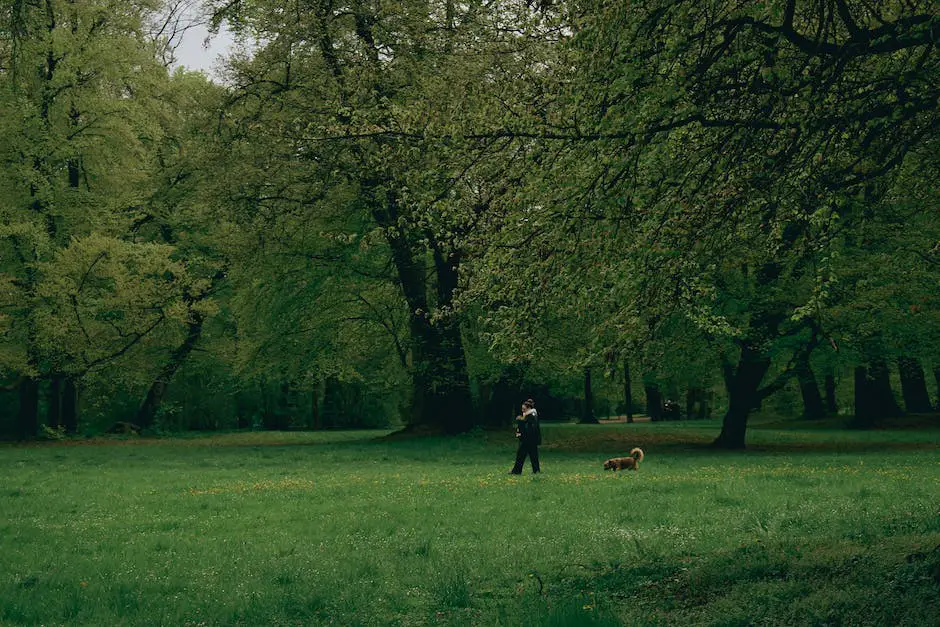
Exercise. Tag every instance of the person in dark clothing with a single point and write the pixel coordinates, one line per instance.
(671, 410)
(530, 436)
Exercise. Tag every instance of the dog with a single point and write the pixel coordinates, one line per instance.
(625, 463)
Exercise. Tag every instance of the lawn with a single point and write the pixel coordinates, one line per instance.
(808, 527)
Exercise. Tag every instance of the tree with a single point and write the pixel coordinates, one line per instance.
(74, 105)
(587, 414)
(913, 385)
(883, 299)
(177, 213)
(351, 100)
(813, 408)
(627, 390)
(714, 159)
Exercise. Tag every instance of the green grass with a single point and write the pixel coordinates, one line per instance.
(808, 527)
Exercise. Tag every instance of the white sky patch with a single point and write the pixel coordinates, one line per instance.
(200, 50)
(183, 26)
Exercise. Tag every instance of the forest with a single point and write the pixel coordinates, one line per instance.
(420, 213)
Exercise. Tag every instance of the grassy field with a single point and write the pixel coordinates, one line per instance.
(807, 527)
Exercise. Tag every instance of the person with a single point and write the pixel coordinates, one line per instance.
(530, 436)
(671, 410)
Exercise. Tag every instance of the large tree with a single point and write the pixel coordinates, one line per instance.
(353, 105)
(79, 109)
(711, 157)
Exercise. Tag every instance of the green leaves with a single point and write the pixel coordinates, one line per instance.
(562, 182)
(100, 296)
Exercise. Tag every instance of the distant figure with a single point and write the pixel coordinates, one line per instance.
(529, 435)
(671, 410)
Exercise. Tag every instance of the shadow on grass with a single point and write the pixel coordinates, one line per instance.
(216, 439)
(771, 584)
(912, 433)
(698, 439)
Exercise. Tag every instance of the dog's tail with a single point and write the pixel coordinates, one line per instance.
(637, 454)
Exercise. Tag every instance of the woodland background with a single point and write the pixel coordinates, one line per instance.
(423, 212)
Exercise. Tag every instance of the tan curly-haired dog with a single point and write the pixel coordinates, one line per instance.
(625, 463)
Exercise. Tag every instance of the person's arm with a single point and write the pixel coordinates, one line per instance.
(525, 425)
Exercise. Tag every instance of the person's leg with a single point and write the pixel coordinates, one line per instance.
(520, 460)
(534, 457)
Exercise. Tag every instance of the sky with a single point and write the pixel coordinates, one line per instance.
(196, 53)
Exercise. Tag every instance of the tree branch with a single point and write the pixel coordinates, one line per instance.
(137, 337)
(789, 371)
(909, 32)
(846, 18)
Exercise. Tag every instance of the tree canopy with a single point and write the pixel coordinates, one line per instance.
(418, 201)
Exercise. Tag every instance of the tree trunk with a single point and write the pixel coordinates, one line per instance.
(882, 394)
(440, 383)
(689, 403)
(696, 403)
(831, 405)
(266, 409)
(627, 390)
(743, 385)
(148, 409)
(864, 409)
(743, 381)
(504, 396)
(315, 406)
(453, 400)
(55, 401)
(70, 405)
(936, 376)
(241, 411)
(587, 416)
(913, 385)
(813, 408)
(277, 409)
(734, 425)
(654, 402)
(704, 408)
(28, 424)
(330, 416)
(441, 386)
(874, 398)
(283, 414)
